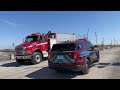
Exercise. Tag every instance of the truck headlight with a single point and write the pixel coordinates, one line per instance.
(29, 52)
(24, 48)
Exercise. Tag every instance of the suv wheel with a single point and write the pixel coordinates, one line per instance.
(86, 67)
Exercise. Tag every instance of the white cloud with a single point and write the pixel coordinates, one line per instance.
(8, 22)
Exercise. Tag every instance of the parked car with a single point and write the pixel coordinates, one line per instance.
(78, 55)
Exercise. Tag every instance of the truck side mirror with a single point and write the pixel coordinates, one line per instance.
(95, 47)
(13, 45)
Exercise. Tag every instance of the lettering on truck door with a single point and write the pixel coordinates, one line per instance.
(42, 45)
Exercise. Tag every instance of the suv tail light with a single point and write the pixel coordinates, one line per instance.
(75, 56)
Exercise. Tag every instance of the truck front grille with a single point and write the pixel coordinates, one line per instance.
(19, 51)
(18, 48)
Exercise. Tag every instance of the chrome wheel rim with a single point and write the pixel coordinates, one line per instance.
(38, 58)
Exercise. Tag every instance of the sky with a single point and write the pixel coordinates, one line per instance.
(15, 25)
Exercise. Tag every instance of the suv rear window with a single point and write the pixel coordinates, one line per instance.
(63, 47)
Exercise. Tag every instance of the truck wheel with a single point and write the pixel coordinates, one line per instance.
(36, 58)
(20, 61)
(86, 67)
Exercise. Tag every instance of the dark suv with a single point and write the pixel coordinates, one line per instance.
(73, 56)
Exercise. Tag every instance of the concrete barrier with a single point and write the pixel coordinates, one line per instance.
(12, 56)
(6, 56)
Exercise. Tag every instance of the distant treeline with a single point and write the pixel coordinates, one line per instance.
(102, 47)
(7, 50)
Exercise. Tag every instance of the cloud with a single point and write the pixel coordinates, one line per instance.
(8, 22)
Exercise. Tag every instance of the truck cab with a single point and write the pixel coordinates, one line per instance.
(34, 48)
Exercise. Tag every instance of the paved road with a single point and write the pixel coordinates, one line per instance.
(107, 68)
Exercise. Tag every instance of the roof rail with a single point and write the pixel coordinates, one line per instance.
(70, 40)
(83, 39)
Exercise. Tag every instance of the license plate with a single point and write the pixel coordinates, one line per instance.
(60, 57)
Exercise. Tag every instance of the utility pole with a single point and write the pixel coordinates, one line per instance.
(114, 40)
(89, 39)
(103, 40)
(96, 38)
(102, 45)
(111, 42)
(87, 33)
(84, 36)
(116, 43)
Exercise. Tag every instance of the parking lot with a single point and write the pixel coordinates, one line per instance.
(107, 68)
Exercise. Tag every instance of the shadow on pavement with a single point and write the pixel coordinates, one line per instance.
(101, 65)
(116, 64)
(47, 73)
(15, 64)
(104, 63)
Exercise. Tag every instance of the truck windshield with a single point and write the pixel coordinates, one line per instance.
(31, 39)
(63, 47)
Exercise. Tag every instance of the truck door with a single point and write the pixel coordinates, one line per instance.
(42, 43)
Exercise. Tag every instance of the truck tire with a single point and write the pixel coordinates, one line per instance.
(36, 58)
(86, 67)
(20, 61)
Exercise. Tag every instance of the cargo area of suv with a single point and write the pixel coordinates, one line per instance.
(62, 53)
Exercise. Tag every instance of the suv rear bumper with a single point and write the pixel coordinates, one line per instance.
(23, 57)
(65, 67)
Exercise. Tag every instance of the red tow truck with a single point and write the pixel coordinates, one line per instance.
(36, 46)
